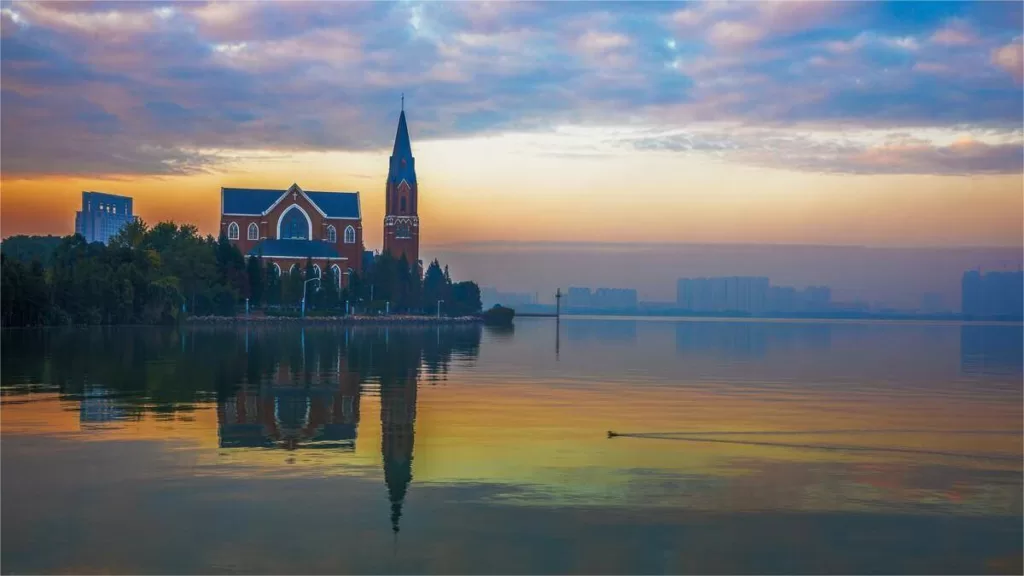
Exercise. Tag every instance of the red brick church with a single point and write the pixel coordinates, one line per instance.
(288, 226)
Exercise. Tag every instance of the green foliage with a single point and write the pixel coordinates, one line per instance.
(396, 281)
(144, 276)
(254, 271)
(26, 249)
(156, 275)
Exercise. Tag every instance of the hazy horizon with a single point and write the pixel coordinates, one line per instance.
(875, 147)
(894, 276)
(891, 124)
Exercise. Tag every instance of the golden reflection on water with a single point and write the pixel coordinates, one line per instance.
(737, 444)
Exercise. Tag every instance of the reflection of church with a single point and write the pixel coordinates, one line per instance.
(282, 412)
(303, 391)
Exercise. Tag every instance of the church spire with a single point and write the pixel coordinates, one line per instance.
(403, 148)
(402, 163)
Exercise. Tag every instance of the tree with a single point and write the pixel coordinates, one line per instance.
(25, 249)
(273, 291)
(143, 276)
(328, 297)
(433, 285)
(231, 267)
(294, 286)
(254, 268)
(465, 299)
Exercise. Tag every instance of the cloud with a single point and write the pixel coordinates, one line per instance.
(94, 83)
(845, 153)
(1010, 58)
(597, 42)
(728, 33)
(957, 32)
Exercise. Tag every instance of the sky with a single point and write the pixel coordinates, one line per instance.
(882, 125)
(791, 122)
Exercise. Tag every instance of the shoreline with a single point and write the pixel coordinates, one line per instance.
(339, 320)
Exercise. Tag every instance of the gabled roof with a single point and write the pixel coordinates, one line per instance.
(294, 249)
(247, 200)
(257, 201)
(336, 204)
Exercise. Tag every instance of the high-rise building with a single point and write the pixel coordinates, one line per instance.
(750, 294)
(992, 294)
(729, 294)
(614, 298)
(102, 216)
(578, 297)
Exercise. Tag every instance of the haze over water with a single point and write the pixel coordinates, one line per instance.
(748, 447)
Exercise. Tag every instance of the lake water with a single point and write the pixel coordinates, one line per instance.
(746, 447)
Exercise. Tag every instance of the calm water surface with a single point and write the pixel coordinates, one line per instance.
(747, 447)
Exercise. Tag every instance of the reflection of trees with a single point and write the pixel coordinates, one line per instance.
(275, 387)
(148, 370)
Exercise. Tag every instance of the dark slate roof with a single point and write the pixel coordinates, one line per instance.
(336, 204)
(399, 170)
(248, 200)
(294, 248)
(256, 201)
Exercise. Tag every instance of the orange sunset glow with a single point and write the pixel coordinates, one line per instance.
(669, 127)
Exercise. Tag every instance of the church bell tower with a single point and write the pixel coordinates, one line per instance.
(401, 220)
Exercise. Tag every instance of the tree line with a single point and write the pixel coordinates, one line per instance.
(156, 275)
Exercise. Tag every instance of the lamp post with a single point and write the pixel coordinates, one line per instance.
(348, 285)
(304, 294)
(439, 302)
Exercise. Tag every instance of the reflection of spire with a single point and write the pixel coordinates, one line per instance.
(397, 420)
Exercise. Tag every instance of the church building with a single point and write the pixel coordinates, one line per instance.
(288, 226)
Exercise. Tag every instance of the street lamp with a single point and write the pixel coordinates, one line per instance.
(348, 284)
(439, 302)
(304, 294)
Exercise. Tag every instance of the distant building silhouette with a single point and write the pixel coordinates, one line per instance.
(102, 216)
(993, 294)
(749, 294)
(601, 298)
(491, 296)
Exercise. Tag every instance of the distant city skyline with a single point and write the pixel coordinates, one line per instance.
(878, 277)
(839, 123)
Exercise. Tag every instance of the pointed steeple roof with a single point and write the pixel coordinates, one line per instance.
(402, 163)
(403, 147)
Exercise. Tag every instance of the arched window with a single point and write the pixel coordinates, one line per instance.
(316, 271)
(402, 230)
(293, 269)
(350, 235)
(277, 269)
(232, 231)
(332, 234)
(402, 202)
(254, 231)
(336, 272)
(294, 224)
